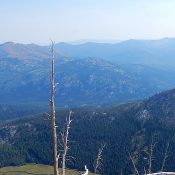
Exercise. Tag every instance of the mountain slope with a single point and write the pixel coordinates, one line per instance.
(87, 81)
(25, 52)
(123, 128)
(160, 105)
(12, 112)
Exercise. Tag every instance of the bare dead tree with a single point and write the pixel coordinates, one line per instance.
(52, 111)
(145, 170)
(149, 152)
(134, 164)
(152, 146)
(165, 156)
(86, 171)
(64, 137)
(98, 162)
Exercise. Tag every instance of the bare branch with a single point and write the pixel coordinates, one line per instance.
(86, 171)
(98, 162)
(152, 146)
(134, 165)
(165, 156)
(64, 137)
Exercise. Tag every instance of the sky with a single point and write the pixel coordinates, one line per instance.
(36, 21)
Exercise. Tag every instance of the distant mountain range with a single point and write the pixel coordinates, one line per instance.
(88, 74)
(147, 52)
(159, 53)
(83, 41)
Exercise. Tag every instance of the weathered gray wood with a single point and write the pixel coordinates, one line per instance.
(65, 135)
(53, 117)
(86, 171)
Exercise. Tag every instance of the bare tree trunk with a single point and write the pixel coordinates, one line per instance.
(86, 171)
(53, 118)
(63, 164)
(134, 165)
(151, 156)
(98, 162)
(65, 135)
(165, 156)
(150, 159)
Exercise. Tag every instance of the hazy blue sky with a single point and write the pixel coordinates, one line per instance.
(38, 20)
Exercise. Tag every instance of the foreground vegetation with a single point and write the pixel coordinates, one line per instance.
(127, 129)
(32, 169)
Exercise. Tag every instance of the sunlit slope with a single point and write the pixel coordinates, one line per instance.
(32, 169)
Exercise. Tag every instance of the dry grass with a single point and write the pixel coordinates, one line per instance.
(33, 169)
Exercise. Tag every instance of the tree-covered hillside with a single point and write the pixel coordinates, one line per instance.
(126, 129)
(12, 112)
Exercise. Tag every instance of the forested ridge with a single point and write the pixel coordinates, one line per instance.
(126, 129)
